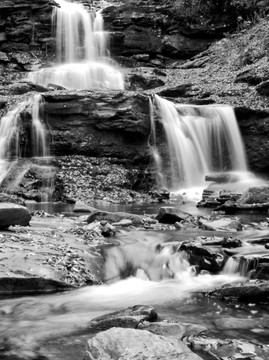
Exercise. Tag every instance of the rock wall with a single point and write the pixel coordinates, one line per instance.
(102, 124)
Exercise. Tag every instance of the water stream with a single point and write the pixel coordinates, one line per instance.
(200, 140)
(82, 51)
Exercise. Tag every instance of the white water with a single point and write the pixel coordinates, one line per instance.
(10, 149)
(199, 137)
(81, 46)
(57, 315)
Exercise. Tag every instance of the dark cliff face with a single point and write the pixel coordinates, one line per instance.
(25, 24)
(103, 124)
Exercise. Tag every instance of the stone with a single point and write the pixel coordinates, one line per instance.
(223, 177)
(3, 57)
(123, 222)
(171, 215)
(130, 317)
(177, 91)
(115, 217)
(13, 214)
(221, 224)
(108, 230)
(175, 329)
(203, 257)
(263, 88)
(144, 82)
(230, 242)
(131, 344)
(254, 195)
(255, 291)
(6, 198)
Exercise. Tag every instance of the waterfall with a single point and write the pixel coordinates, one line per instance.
(12, 147)
(81, 47)
(153, 147)
(201, 140)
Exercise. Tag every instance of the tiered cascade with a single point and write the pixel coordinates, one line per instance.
(82, 54)
(201, 140)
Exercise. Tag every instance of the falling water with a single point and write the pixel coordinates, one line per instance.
(10, 126)
(200, 139)
(153, 147)
(81, 46)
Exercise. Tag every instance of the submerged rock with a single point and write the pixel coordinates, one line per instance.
(13, 214)
(131, 344)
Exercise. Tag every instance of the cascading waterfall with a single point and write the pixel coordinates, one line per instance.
(81, 45)
(200, 141)
(10, 148)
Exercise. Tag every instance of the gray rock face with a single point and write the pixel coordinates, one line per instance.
(107, 123)
(131, 344)
(12, 214)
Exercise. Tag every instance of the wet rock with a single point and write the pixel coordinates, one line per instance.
(172, 329)
(13, 214)
(263, 88)
(20, 88)
(222, 177)
(5, 198)
(229, 348)
(129, 344)
(115, 217)
(31, 285)
(254, 195)
(253, 291)
(108, 230)
(178, 91)
(203, 257)
(171, 215)
(221, 224)
(230, 242)
(103, 124)
(138, 81)
(130, 317)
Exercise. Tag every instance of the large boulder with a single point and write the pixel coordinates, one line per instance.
(131, 344)
(203, 257)
(13, 214)
(171, 215)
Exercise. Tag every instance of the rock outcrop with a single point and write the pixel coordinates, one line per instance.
(13, 214)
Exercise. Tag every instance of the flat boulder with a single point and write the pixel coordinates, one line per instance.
(115, 217)
(220, 224)
(171, 215)
(131, 344)
(13, 214)
(127, 318)
(255, 291)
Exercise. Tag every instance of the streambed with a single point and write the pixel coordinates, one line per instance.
(57, 323)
